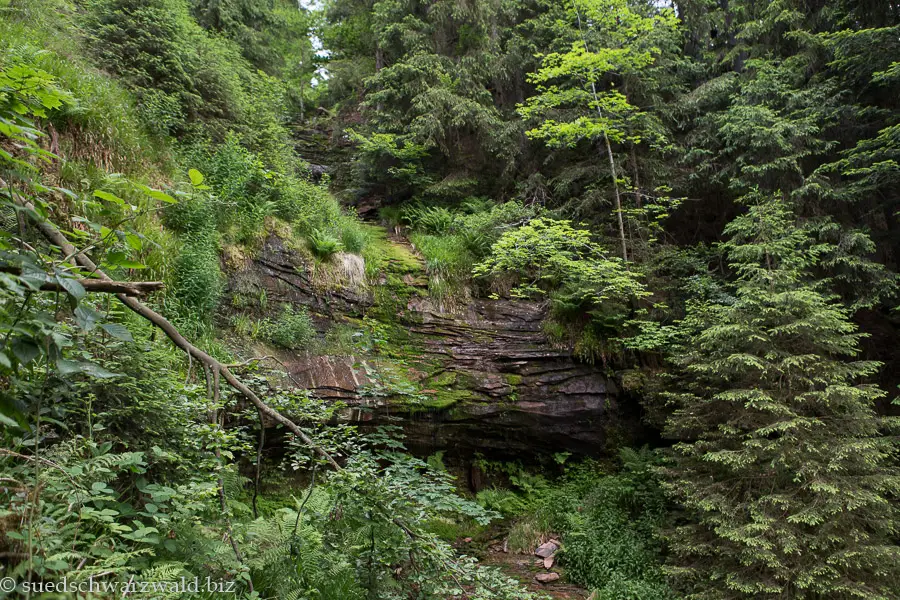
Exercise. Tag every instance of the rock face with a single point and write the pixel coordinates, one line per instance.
(483, 378)
(525, 394)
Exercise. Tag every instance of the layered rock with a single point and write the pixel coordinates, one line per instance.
(484, 378)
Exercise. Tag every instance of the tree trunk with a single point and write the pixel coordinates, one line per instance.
(638, 198)
(379, 64)
(612, 172)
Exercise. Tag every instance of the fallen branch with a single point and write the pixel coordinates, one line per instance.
(102, 286)
(55, 236)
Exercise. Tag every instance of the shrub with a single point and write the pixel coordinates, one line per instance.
(391, 216)
(242, 187)
(101, 126)
(505, 502)
(198, 279)
(610, 526)
(189, 215)
(307, 205)
(354, 237)
(484, 224)
(525, 535)
(323, 245)
(445, 255)
(428, 219)
(292, 330)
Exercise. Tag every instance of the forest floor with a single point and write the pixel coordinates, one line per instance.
(523, 568)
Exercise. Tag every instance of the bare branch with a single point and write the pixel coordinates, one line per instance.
(101, 286)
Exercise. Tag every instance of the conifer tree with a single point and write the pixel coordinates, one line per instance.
(783, 467)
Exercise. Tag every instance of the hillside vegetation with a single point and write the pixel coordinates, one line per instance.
(702, 199)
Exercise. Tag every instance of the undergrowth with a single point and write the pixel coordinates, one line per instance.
(609, 523)
(453, 241)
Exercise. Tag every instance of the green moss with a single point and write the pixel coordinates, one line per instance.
(513, 379)
(444, 399)
(385, 256)
(447, 378)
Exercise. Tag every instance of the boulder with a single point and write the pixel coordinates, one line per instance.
(546, 550)
(546, 578)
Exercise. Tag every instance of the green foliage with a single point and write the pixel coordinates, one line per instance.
(434, 220)
(157, 45)
(506, 502)
(390, 162)
(354, 237)
(452, 241)
(292, 329)
(547, 255)
(323, 245)
(609, 524)
(32, 335)
(99, 123)
(198, 278)
(477, 126)
(184, 76)
(781, 446)
(446, 256)
(169, 507)
(621, 42)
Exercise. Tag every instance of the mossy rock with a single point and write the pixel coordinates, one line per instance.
(513, 379)
(444, 399)
(390, 257)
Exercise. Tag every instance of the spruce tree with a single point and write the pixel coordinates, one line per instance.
(784, 466)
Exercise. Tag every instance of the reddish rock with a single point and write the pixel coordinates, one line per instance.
(546, 578)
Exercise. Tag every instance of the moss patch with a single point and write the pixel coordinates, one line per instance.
(443, 399)
(513, 379)
(447, 378)
(384, 256)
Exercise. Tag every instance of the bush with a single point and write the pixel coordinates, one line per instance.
(428, 219)
(102, 125)
(292, 330)
(484, 224)
(505, 502)
(307, 205)
(610, 526)
(323, 245)
(445, 255)
(243, 191)
(190, 215)
(198, 279)
(354, 237)
(391, 216)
